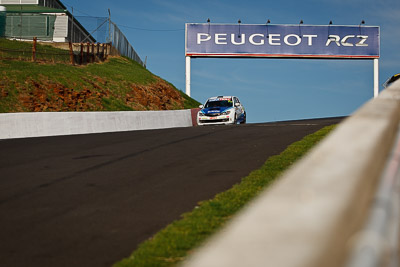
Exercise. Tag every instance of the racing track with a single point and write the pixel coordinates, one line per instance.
(89, 200)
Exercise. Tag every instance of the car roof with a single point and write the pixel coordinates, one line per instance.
(220, 96)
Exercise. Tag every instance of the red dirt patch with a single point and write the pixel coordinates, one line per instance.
(44, 95)
(157, 96)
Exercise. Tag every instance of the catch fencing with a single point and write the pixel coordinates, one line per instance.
(121, 43)
(104, 30)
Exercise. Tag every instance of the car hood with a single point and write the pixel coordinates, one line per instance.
(215, 110)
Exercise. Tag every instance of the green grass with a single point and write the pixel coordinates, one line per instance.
(175, 242)
(116, 71)
(189, 102)
(122, 69)
(113, 104)
(116, 78)
(10, 44)
(11, 49)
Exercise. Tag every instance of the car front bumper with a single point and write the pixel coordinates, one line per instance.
(209, 120)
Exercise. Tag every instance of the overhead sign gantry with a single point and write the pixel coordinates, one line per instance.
(282, 41)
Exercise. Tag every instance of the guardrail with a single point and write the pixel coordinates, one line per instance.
(326, 210)
(36, 124)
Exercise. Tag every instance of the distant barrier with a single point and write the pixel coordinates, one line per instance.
(326, 210)
(37, 124)
(121, 43)
(106, 31)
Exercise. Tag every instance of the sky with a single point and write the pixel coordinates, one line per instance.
(269, 89)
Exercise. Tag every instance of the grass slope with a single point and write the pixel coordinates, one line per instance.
(174, 243)
(118, 84)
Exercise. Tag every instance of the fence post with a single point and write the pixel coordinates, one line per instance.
(81, 53)
(93, 56)
(98, 52)
(34, 49)
(71, 53)
(87, 53)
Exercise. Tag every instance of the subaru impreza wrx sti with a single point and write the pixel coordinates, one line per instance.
(221, 110)
(391, 80)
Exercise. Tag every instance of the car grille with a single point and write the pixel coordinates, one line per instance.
(213, 114)
(214, 121)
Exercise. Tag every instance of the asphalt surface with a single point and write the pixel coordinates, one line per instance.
(89, 200)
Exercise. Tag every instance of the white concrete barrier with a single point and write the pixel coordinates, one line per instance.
(21, 125)
(313, 215)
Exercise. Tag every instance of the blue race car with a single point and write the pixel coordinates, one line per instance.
(221, 110)
(391, 80)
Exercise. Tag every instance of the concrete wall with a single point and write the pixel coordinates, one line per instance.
(20, 125)
(314, 214)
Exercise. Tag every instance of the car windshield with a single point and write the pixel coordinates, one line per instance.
(219, 103)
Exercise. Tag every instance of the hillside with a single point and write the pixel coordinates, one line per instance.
(115, 85)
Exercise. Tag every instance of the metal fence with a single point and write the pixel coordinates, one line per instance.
(102, 29)
(121, 43)
(97, 27)
(106, 31)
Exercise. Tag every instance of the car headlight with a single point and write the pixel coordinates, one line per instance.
(201, 114)
(226, 112)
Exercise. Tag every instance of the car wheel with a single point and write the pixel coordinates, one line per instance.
(235, 120)
(244, 119)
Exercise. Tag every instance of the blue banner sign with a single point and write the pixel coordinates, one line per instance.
(282, 41)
